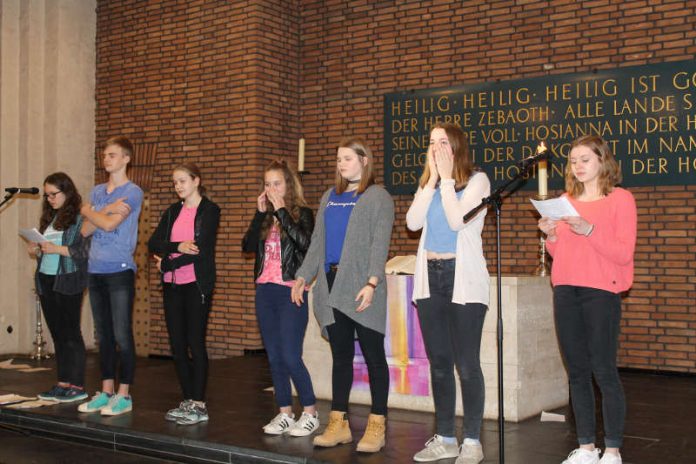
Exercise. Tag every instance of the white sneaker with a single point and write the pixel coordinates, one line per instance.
(609, 458)
(436, 449)
(306, 425)
(470, 454)
(582, 456)
(279, 424)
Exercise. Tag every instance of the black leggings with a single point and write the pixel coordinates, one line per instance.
(588, 322)
(62, 314)
(342, 340)
(186, 312)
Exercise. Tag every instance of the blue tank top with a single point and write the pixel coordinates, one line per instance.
(440, 238)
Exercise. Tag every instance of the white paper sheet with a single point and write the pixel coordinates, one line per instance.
(33, 235)
(555, 208)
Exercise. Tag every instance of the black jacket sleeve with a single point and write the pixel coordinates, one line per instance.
(299, 232)
(79, 248)
(250, 242)
(159, 243)
(210, 220)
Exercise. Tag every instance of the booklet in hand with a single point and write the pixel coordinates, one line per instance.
(555, 208)
(33, 235)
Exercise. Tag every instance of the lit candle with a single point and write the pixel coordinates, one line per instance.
(543, 178)
(300, 156)
(542, 172)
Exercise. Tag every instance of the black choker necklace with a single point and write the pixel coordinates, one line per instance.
(353, 181)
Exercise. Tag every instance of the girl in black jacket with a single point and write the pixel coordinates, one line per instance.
(184, 246)
(279, 234)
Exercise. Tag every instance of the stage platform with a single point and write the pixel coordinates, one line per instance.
(660, 427)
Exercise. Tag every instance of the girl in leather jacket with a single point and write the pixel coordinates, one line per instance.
(279, 235)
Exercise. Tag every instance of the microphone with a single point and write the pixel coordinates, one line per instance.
(542, 153)
(29, 190)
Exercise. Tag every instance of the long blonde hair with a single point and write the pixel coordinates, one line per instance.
(367, 178)
(463, 162)
(609, 172)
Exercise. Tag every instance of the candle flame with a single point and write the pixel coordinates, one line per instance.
(541, 148)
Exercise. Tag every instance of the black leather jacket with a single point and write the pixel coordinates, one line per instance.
(294, 242)
(205, 231)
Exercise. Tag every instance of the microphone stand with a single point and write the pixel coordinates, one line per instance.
(8, 197)
(495, 200)
(39, 351)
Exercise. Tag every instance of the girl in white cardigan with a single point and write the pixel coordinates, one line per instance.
(451, 289)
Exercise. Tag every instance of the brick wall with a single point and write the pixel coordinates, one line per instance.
(215, 83)
(233, 86)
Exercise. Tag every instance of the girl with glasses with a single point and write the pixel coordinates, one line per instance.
(61, 277)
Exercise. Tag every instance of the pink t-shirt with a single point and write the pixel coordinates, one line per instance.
(272, 270)
(183, 230)
(604, 260)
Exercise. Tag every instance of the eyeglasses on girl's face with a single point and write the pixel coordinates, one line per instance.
(51, 195)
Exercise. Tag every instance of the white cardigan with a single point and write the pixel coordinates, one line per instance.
(471, 279)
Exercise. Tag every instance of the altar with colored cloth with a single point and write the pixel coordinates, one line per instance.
(534, 376)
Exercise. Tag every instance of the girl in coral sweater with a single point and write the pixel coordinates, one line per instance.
(592, 265)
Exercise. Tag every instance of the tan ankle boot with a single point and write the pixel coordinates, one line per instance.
(373, 440)
(337, 432)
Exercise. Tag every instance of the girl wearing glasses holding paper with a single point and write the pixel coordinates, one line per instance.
(61, 277)
(592, 265)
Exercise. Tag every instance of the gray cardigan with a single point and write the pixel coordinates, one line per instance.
(364, 254)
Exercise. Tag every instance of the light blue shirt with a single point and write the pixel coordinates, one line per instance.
(112, 252)
(440, 238)
(50, 262)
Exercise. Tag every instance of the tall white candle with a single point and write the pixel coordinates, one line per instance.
(542, 177)
(300, 156)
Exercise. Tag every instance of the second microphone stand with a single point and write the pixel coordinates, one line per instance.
(495, 200)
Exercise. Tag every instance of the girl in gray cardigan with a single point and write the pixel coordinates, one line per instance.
(347, 255)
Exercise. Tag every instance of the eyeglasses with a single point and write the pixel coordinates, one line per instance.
(51, 195)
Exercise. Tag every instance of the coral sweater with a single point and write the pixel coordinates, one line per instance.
(604, 260)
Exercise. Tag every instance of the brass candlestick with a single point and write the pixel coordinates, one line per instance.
(542, 269)
(39, 352)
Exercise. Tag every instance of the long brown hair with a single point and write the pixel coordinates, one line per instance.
(609, 172)
(367, 178)
(463, 162)
(67, 214)
(294, 195)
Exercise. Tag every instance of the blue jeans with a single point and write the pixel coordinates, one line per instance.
(588, 323)
(283, 327)
(452, 337)
(111, 296)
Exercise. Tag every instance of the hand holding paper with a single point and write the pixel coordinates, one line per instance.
(555, 208)
(33, 235)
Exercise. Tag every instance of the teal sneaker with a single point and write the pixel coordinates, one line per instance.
(97, 403)
(72, 394)
(118, 404)
(52, 394)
